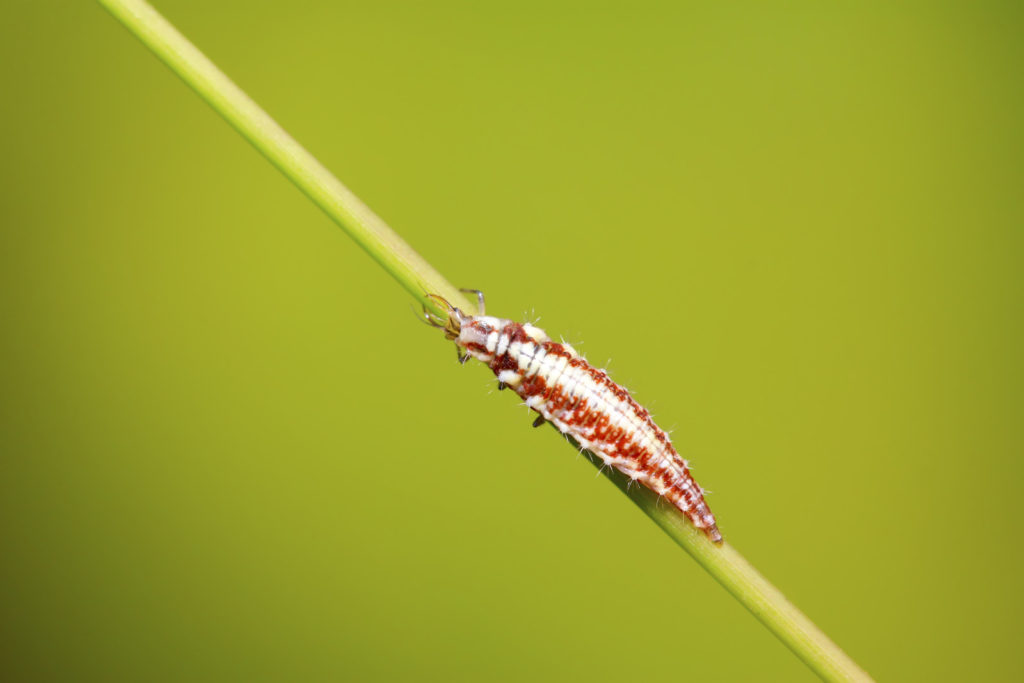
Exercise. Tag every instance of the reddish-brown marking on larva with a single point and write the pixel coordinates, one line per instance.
(580, 401)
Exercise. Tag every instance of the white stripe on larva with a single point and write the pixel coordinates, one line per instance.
(535, 333)
(509, 377)
(550, 367)
(503, 342)
(535, 364)
(525, 356)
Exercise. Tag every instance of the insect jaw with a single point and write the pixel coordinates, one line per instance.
(452, 324)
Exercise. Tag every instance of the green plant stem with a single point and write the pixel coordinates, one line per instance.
(726, 565)
(301, 167)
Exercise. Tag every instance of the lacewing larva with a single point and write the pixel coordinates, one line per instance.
(580, 400)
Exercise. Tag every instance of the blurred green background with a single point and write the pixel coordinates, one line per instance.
(230, 452)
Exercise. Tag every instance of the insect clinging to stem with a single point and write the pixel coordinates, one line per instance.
(579, 400)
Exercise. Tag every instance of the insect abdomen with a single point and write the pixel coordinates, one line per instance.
(585, 403)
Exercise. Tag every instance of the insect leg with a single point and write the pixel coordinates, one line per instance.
(539, 421)
(479, 297)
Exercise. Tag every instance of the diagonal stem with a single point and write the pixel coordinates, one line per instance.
(726, 565)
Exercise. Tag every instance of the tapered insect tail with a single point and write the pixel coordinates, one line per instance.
(702, 518)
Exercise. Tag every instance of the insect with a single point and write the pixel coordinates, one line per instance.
(579, 400)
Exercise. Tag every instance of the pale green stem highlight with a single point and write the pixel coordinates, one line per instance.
(726, 565)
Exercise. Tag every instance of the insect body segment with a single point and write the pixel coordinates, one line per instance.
(581, 401)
